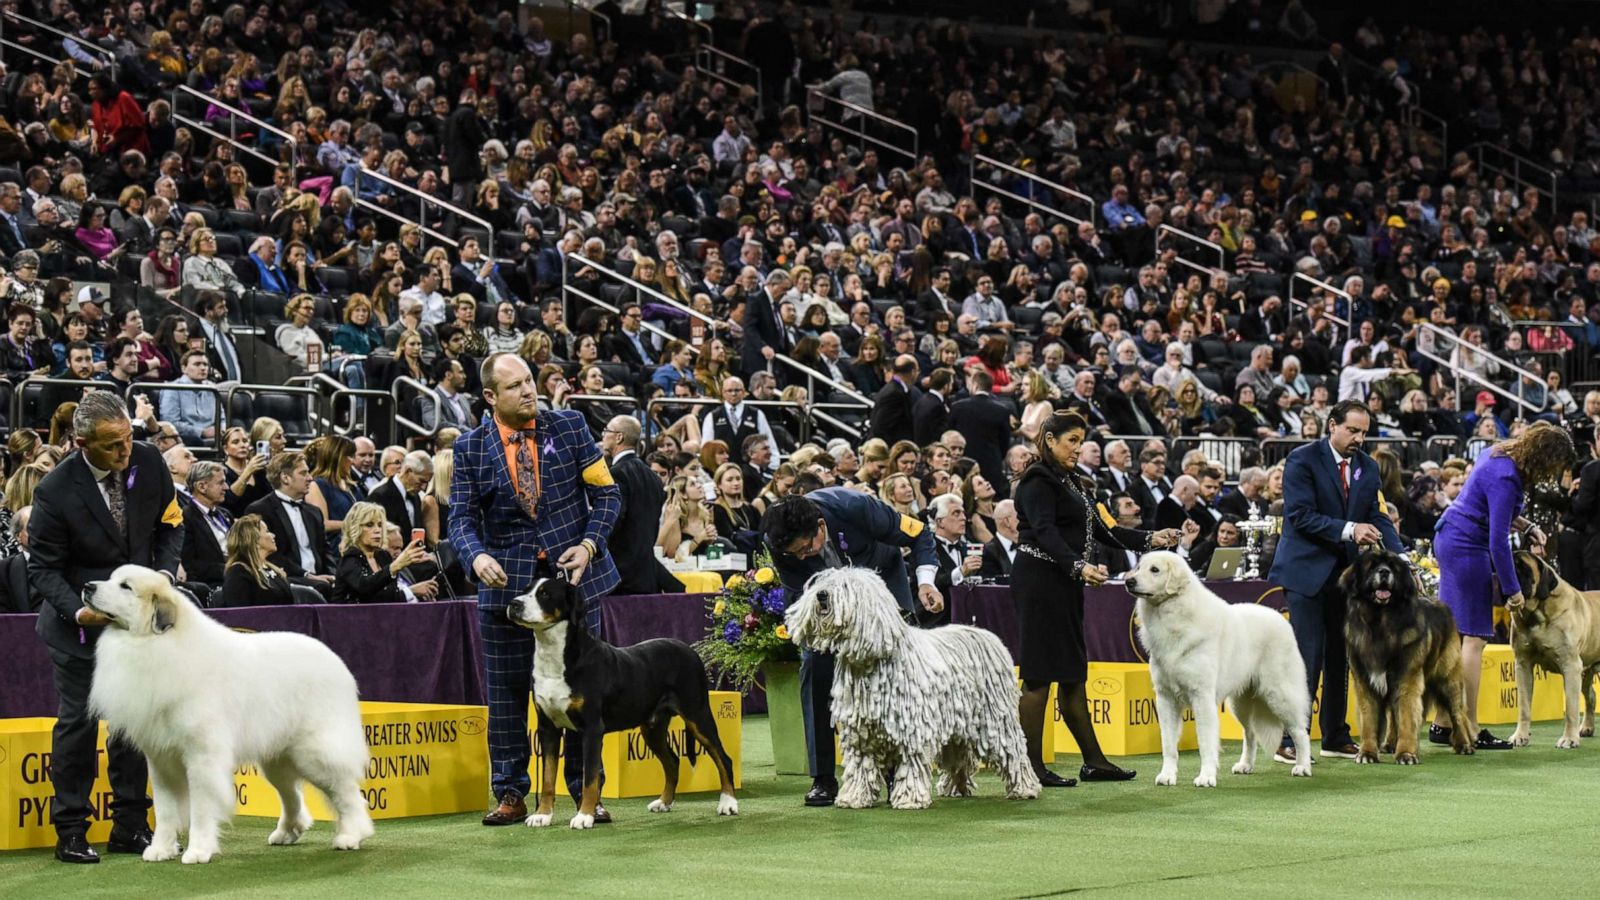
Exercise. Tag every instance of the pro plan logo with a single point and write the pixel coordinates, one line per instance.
(473, 725)
(1105, 687)
(727, 710)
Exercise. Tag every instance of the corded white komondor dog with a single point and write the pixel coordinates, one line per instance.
(905, 698)
(199, 699)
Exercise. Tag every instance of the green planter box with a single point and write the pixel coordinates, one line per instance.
(785, 719)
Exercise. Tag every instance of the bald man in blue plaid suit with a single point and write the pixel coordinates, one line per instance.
(527, 483)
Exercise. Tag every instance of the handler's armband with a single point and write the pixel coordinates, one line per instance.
(598, 474)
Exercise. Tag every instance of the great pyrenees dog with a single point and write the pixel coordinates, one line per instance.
(1204, 649)
(905, 698)
(200, 700)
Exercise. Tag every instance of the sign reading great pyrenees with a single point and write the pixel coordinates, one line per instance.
(200, 700)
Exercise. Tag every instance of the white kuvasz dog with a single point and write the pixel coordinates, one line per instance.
(1204, 649)
(199, 700)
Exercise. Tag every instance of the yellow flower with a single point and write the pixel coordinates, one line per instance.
(719, 609)
(781, 632)
(734, 581)
(765, 575)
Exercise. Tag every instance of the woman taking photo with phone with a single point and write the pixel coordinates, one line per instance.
(367, 572)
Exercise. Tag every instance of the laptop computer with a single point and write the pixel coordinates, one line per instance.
(1225, 562)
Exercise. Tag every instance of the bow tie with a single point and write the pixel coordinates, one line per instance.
(297, 504)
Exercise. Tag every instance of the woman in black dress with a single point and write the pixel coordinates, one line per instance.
(1058, 526)
(249, 579)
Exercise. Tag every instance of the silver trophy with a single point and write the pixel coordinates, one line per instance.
(1254, 531)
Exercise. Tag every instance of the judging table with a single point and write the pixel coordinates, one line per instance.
(431, 652)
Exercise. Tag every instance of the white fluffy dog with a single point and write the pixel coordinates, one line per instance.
(905, 698)
(1204, 649)
(199, 700)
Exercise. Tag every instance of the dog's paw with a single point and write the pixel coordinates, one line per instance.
(1586, 731)
(1464, 749)
(154, 853)
(1406, 758)
(911, 802)
(728, 805)
(1387, 749)
(855, 799)
(1243, 768)
(1167, 777)
(538, 820)
(581, 822)
(1367, 757)
(1301, 770)
(347, 842)
(1520, 738)
(1567, 743)
(198, 855)
(1205, 780)
(657, 806)
(282, 837)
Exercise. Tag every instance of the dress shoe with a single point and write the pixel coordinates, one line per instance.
(1342, 751)
(74, 848)
(1437, 735)
(1487, 741)
(511, 811)
(1048, 778)
(1285, 755)
(601, 815)
(1107, 772)
(821, 793)
(129, 840)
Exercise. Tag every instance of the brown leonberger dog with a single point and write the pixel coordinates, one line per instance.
(1557, 628)
(1403, 649)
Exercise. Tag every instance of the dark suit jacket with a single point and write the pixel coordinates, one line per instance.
(203, 556)
(388, 496)
(633, 538)
(996, 564)
(355, 582)
(865, 532)
(1235, 504)
(276, 516)
(892, 416)
(930, 418)
(987, 427)
(1119, 412)
(75, 540)
(1170, 514)
(760, 330)
(1312, 551)
(16, 592)
(239, 588)
(1146, 498)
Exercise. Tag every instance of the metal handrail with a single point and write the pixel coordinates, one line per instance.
(158, 387)
(1515, 172)
(78, 39)
(610, 31)
(76, 72)
(613, 308)
(636, 285)
(442, 204)
(1319, 284)
(235, 114)
(1055, 187)
(1418, 113)
(1443, 339)
(436, 235)
(816, 376)
(354, 394)
(815, 96)
(650, 406)
(19, 392)
(217, 135)
(703, 62)
(1209, 270)
(684, 15)
(422, 391)
(290, 389)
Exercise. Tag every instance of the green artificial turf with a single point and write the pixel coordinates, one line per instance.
(1523, 823)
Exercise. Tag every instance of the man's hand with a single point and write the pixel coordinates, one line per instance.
(971, 564)
(1189, 533)
(1169, 537)
(1366, 534)
(574, 561)
(768, 352)
(929, 597)
(1535, 535)
(89, 618)
(320, 579)
(425, 590)
(488, 571)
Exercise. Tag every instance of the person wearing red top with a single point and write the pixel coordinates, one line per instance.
(119, 123)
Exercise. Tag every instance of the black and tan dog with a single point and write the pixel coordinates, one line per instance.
(1557, 628)
(581, 683)
(1402, 649)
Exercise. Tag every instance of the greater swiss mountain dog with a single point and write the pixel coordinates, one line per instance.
(581, 683)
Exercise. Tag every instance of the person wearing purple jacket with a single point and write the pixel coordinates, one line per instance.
(1473, 546)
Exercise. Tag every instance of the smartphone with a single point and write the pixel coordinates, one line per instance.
(418, 535)
(263, 448)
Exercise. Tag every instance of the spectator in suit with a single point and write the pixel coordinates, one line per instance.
(632, 344)
(1001, 552)
(757, 466)
(930, 413)
(108, 505)
(193, 413)
(1118, 475)
(987, 427)
(892, 414)
(1128, 410)
(205, 525)
(368, 572)
(1083, 401)
(1152, 486)
(1119, 560)
(401, 495)
(958, 560)
(633, 538)
(252, 578)
(450, 382)
(1248, 500)
(17, 594)
(734, 421)
(363, 473)
(296, 526)
(1184, 504)
(763, 330)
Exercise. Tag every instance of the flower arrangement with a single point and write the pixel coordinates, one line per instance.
(1426, 568)
(747, 628)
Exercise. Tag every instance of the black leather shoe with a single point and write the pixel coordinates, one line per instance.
(74, 848)
(129, 840)
(1440, 736)
(1487, 741)
(601, 815)
(821, 793)
(1048, 778)
(1109, 773)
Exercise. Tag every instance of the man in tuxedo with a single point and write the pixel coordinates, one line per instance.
(958, 560)
(937, 298)
(1246, 501)
(16, 591)
(1184, 503)
(1089, 460)
(763, 330)
(1120, 559)
(1152, 486)
(987, 427)
(363, 473)
(1001, 551)
(1265, 323)
(205, 525)
(633, 538)
(892, 412)
(757, 465)
(401, 496)
(450, 383)
(296, 525)
(930, 413)
(110, 504)
(1330, 510)
(1118, 477)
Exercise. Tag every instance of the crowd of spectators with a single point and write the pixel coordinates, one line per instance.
(669, 246)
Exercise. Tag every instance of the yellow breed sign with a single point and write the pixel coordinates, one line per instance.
(632, 770)
(424, 760)
(26, 792)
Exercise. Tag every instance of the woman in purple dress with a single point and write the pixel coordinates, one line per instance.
(1473, 547)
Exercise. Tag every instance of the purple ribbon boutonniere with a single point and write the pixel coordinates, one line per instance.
(133, 472)
(843, 546)
(1356, 476)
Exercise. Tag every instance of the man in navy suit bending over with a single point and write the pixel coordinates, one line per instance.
(1331, 508)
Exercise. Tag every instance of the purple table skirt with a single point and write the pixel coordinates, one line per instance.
(431, 653)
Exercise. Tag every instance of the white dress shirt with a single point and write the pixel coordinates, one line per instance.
(297, 521)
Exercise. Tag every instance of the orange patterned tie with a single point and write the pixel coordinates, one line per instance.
(528, 486)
